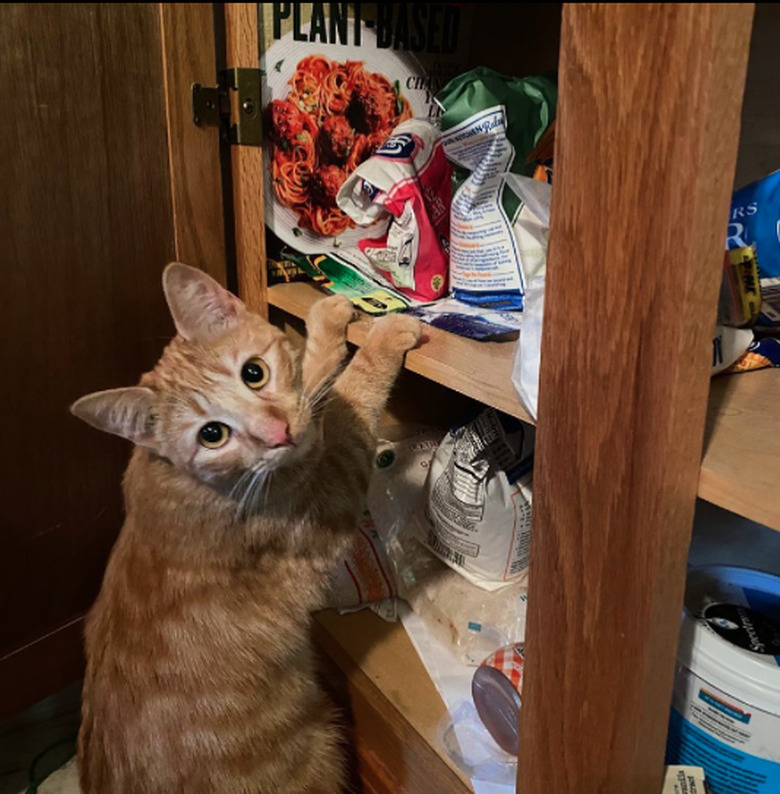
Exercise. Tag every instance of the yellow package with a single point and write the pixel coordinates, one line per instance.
(740, 293)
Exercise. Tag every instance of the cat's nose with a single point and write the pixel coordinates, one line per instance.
(279, 436)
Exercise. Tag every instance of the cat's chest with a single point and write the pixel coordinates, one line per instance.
(309, 537)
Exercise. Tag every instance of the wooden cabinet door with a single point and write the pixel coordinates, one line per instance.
(636, 247)
(89, 216)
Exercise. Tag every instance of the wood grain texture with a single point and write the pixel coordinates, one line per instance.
(87, 228)
(196, 182)
(42, 667)
(633, 274)
(481, 370)
(395, 707)
(741, 466)
(243, 49)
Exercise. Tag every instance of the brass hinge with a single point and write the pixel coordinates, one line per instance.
(211, 106)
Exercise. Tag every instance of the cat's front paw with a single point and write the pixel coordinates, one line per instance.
(331, 315)
(395, 332)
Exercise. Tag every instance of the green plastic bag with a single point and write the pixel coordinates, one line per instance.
(489, 124)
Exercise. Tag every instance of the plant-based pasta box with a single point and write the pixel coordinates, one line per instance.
(337, 78)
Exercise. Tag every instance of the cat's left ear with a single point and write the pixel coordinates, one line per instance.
(125, 412)
(202, 309)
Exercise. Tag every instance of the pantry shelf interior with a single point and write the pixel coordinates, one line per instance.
(378, 660)
(480, 370)
(741, 463)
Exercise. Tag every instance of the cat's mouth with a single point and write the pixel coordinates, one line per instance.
(290, 448)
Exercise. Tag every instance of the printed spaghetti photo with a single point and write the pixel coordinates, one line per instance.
(335, 116)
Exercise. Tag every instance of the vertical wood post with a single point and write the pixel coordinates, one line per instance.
(647, 132)
(243, 49)
(187, 35)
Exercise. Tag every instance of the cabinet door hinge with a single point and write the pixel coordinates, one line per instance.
(212, 106)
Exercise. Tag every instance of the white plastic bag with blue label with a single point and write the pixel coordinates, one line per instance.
(531, 230)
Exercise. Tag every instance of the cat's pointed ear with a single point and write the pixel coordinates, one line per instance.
(202, 309)
(123, 412)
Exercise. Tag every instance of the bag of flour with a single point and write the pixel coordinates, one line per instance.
(477, 511)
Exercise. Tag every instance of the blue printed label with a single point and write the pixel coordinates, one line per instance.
(723, 707)
(728, 770)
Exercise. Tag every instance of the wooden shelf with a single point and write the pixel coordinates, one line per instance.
(477, 369)
(394, 703)
(741, 464)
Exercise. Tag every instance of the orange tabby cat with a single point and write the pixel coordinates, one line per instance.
(246, 482)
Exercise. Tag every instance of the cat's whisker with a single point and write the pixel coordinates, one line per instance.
(246, 482)
(258, 473)
(317, 406)
(241, 482)
(256, 488)
(322, 403)
(235, 492)
(266, 490)
(313, 395)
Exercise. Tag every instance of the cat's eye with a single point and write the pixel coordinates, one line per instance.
(214, 435)
(255, 373)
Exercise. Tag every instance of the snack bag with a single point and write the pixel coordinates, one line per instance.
(477, 512)
(740, 292)
(364, 576)
(761, 353)
(473, 322)
(346, 273)
(489, 125)
(755, 220)
(728, 345)
(408, 180)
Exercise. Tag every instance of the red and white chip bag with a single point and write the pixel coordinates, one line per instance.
(407, 180)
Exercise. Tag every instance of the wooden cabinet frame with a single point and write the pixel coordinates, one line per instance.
(647, 137)
(645, 155)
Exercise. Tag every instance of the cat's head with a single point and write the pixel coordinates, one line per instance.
(225, 398)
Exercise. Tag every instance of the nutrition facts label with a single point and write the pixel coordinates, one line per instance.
(483, 253)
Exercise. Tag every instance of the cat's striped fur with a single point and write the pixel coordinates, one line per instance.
(200, 676)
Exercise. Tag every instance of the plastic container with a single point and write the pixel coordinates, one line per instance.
(496, 688)
(726, 703)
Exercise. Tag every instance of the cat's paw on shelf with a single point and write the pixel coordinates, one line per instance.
(398, 332)
(333, 314)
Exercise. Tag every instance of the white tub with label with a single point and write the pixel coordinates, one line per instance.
(726, 704)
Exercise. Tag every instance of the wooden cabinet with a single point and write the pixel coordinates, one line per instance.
(646, 147)
(87, 224)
